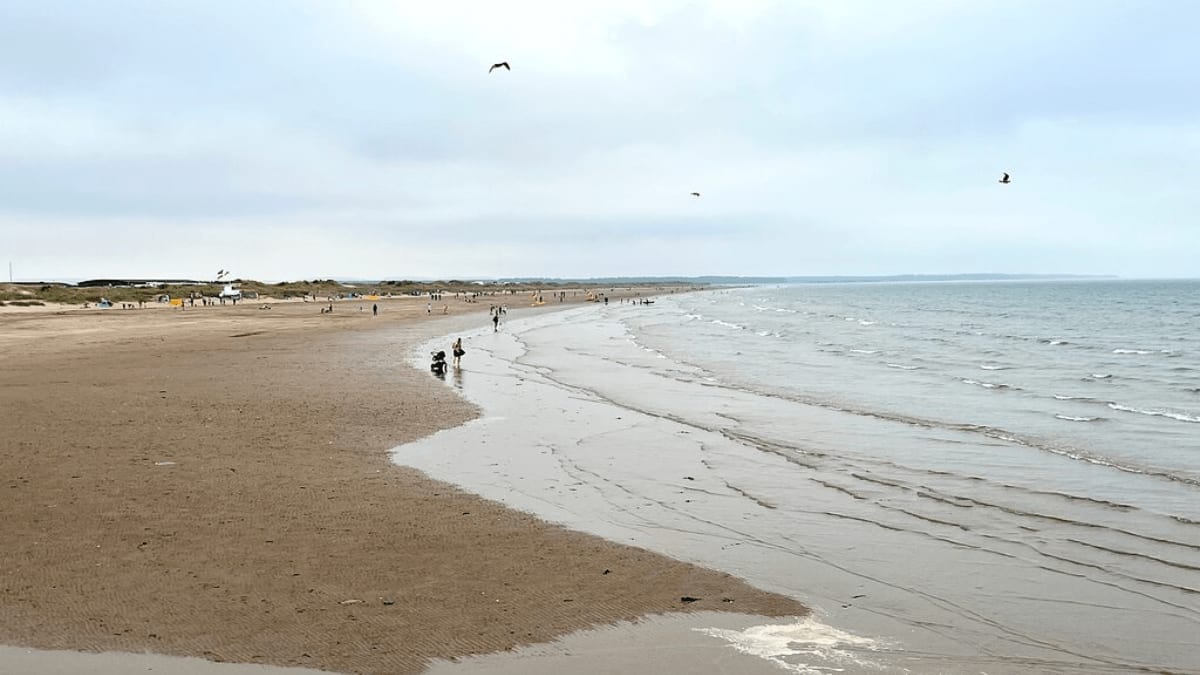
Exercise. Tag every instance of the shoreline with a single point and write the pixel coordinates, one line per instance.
(642, 428)
(222, 485)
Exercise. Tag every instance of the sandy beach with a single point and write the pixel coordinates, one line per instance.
(215, 483)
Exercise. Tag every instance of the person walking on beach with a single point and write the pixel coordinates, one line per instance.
(374, 310)
(495, 322)
(458, 351)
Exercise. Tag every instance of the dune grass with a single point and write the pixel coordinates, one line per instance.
(321, 289)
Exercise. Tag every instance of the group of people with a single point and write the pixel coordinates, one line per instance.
(438, 367)
(439, 358)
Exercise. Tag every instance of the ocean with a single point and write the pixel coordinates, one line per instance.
(956, 477)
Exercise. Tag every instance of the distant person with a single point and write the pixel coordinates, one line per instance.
(429, 308)
(495, 322)
(374, 310)
(458, 351)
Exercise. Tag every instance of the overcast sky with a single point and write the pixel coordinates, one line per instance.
(285, 140)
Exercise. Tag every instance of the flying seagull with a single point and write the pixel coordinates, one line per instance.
(502, 64)
(1004, 180)
(695, 194)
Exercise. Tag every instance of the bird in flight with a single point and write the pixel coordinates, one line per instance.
(695, 194)
(502, 64)
(1004, 180)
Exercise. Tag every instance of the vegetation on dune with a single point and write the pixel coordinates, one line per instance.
(321, 289)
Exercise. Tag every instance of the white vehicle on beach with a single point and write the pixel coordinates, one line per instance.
(230, 292)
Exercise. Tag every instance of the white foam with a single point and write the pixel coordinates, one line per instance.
(1132, 351)
(994, 367)
(991, 385)
(807, 638)
(1070, 418)
(727, 324)
(985, 385)
(1155, 413)
(865, 351)
(902, 367)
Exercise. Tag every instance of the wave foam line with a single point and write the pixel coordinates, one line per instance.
(727, 324)
(989, 385)
(1155, 413)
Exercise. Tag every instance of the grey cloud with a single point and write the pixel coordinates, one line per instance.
(813, 148)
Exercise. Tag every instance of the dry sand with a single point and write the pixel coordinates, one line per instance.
(214, 482)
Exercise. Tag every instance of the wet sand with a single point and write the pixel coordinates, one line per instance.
(214, 482)
(901, 540)
(678, 644)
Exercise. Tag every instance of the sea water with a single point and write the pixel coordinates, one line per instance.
(957, 477)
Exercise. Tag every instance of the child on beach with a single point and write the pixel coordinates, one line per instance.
(458, 351)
